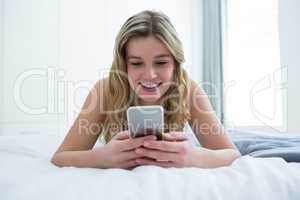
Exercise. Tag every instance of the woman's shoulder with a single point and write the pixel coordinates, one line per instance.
(101, 88)
(97, 95)
(102, 84)
(193, 85)
(192, 89)
(196, 96)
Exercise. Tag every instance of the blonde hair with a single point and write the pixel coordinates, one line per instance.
(119, 95)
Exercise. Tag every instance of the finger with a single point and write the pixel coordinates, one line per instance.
(157, 155)
(122, 135)
(168, 137)
(135, 142)
(167, 146)
(178, 136)
(129, 155)
(129, 164)
(143, 161)
(174, 136)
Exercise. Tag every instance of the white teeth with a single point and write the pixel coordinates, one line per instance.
(149, 85)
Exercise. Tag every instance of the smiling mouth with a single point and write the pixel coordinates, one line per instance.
(147, 85)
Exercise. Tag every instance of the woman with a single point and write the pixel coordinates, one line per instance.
(146, 70)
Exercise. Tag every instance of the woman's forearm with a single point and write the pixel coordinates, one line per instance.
(217, 158)
(76, 159)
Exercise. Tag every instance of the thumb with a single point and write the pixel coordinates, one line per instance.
(122, 135)
(175, 136)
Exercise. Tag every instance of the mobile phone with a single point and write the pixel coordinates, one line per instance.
(145, 120)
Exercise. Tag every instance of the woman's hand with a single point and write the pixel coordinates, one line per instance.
(120, 151)
(175, 150)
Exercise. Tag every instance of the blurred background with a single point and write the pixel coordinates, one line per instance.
(244, 53)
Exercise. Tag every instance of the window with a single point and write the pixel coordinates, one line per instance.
(254, 80)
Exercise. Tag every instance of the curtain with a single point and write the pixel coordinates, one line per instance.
(214, 21)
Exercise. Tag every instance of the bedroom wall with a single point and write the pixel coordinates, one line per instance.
(54, 51)
(289, 23)
(29, 34)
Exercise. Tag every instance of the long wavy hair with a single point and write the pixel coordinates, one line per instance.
(119, 95)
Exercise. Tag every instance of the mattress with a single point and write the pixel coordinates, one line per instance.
(27, 173)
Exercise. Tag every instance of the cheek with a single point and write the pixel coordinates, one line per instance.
(132, 77)
(168, 79)
(168, 74)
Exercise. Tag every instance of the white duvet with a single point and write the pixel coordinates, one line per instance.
(26, 173)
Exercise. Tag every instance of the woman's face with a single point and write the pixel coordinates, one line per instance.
(150, 67)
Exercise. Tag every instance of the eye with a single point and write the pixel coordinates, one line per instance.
(136, 63)
(161, 63)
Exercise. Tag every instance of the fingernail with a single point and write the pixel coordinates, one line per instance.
(138, 151)
(153, 137)
(146, 143)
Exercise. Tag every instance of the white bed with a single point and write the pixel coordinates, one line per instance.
(26, 173)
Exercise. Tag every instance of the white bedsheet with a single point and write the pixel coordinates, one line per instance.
(26, 173)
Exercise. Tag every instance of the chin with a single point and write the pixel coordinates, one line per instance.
(149, 100)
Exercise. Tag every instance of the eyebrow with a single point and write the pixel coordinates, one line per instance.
(158, 56)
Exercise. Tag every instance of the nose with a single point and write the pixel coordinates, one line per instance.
(149, 73)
